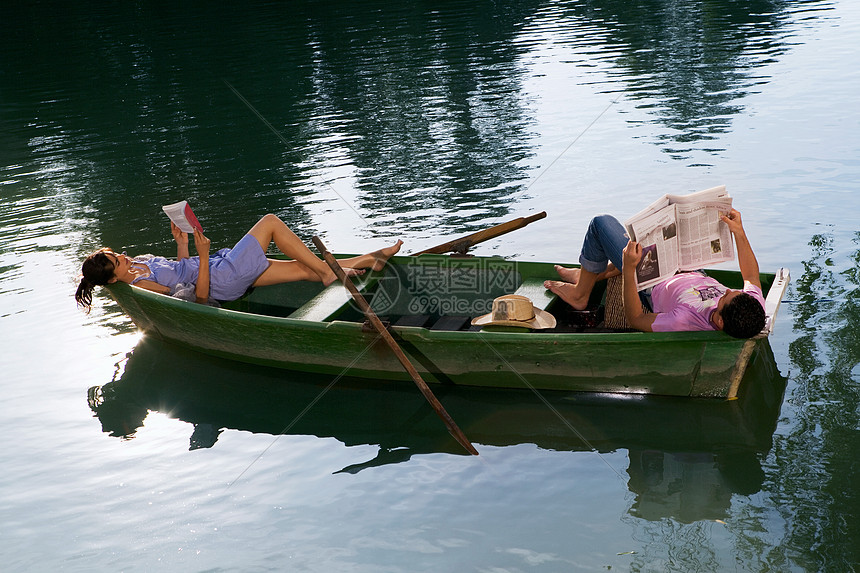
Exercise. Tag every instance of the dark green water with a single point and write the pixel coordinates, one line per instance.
(363, 122)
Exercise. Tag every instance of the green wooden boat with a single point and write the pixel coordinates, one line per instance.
(428, 300)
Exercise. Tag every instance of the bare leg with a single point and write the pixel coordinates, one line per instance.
(305, 264)
(604, 241)
(373, 261)
(271, 228)
(576, 295)
(569, 275)
(285, 272)
(280, 271)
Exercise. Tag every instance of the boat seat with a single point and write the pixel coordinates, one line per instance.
(450, 323)
(416, 320)
(327, 304)
(533, 289)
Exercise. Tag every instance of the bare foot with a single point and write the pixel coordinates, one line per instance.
(567, 292)
(570, 275)
(350, 272)
(382, 255)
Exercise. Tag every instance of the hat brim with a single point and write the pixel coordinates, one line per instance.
(542, 320)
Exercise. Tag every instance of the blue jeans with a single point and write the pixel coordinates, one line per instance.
(604, 241)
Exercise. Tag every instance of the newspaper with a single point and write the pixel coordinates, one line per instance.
(682, 233)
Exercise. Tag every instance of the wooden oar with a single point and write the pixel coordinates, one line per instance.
(463, 244)
(456, 432)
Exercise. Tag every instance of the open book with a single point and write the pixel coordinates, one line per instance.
(182, 216)
(681, 233)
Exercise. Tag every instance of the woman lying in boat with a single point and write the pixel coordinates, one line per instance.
(228, 273)
(686, 301)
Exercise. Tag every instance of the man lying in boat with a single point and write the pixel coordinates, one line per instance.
(686, 301)
(228, 273)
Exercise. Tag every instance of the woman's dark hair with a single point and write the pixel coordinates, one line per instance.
(98, 270)
(743, 316)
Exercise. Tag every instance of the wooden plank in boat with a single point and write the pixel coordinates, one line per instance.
(327, 304)
(533, 289)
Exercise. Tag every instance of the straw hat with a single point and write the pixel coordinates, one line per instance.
(516, 310)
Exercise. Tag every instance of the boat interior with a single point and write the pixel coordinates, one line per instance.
(444, 293)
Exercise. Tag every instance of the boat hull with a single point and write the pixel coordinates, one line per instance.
(701, 364)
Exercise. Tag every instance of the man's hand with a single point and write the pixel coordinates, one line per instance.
(632, 255)
(746, 258)
(633, 311)
(733, 220)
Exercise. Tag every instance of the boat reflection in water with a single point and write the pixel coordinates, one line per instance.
(687, 457)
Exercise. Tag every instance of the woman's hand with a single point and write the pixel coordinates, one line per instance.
(179, 236)
(202, 288)
(181, 241)
(201, 242)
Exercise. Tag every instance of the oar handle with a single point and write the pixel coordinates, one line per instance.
(463, 244)
(455, 430)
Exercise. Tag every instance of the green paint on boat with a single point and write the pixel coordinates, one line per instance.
(305, 327)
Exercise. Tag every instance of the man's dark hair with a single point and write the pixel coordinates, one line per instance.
(743, 316)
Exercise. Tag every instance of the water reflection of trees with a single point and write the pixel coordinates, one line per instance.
(689, 63)
(813, 470)
(421, 105)
(431, 104)
(420, 108)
